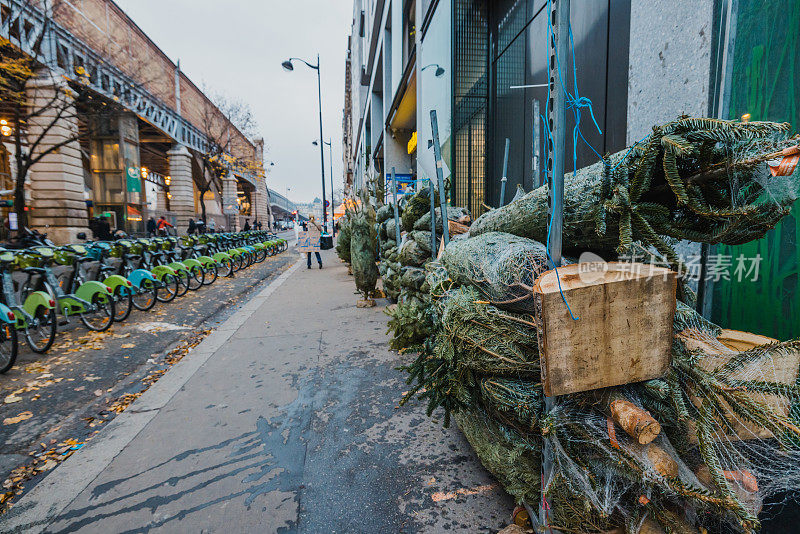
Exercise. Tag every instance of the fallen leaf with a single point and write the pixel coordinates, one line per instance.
(12, 398)
(128, 345)
(98, 392)
(18, 419)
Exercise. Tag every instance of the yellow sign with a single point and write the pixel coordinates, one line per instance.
(412, 143)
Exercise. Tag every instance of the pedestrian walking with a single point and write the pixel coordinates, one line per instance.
(162, 225)
(151, 227)
(246, 225)
(192, 227)
(314, 234)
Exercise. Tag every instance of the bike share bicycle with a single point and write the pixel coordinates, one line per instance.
(91, 301)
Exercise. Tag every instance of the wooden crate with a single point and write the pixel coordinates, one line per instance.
(624, 329)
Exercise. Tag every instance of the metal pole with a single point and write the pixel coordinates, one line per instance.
(333, 217)
(396, 211)
(433, 220)
(503, 180)
(437, 154)
(557, 113)
(321, 148)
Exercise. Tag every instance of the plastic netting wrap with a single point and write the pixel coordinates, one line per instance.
(702, 447)
(390, 229)
(698, 179)
(384, 213)
(413, 278)
(418, 205)
(503, 266)
(386, 245)
(413, 254)
(343, 239)
(453, 214)
(363, 244)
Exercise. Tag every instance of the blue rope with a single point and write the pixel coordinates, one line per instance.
(624, 156)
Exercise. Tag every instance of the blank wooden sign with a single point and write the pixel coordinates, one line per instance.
(624, 329)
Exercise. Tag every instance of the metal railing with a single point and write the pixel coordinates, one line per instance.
(40, 37)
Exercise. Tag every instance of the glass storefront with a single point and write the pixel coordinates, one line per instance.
(116, 180)
(501, 63)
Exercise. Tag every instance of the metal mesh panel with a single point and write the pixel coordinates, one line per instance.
(470, 98)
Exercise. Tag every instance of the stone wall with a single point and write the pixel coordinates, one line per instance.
(56, 190)
(670, 63)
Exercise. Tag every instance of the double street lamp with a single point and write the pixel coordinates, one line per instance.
(330, 158)
(289, 66)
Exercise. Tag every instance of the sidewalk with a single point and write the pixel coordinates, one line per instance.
(285, 419)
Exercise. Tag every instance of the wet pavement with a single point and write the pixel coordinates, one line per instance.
(285, 419)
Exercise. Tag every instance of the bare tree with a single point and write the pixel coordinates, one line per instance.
(59, 98)
(221, 117)
(44, 109)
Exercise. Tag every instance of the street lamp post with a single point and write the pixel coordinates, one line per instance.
(287, 65)
(330, 158)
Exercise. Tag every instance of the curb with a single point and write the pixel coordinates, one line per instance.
(45, 502)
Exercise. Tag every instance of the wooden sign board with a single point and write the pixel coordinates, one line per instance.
(308, 242)
(623, 333)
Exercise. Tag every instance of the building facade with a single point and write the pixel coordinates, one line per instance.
(139, 138)
(483, 67)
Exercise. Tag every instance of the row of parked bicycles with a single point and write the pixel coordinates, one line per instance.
(101, 282)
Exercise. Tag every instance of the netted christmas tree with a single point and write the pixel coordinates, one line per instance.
(699, 449)
(363, 245)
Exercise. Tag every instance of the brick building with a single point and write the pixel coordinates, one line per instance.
(147, 155)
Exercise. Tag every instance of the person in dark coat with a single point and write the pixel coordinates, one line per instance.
(192, 227)
(246, 225)
(104, 229)
(151, 227)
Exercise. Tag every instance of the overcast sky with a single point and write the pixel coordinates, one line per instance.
(236, 47)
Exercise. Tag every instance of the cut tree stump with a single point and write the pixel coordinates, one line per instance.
(623, 332)
(365, 303)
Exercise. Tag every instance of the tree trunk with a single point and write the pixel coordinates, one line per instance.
(203, 205)
(21, 175)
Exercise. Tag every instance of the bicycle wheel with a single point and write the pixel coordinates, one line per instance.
(124, 303)
(261, 255)
(170, 288)
(226, 268)
(211, 273)
(41, 331)
(9, 346)
(238, 263)
(196, 277)
(183, 282)
(146, 297)
(101, 317)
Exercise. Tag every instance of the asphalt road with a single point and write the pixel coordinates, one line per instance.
(75, 389)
